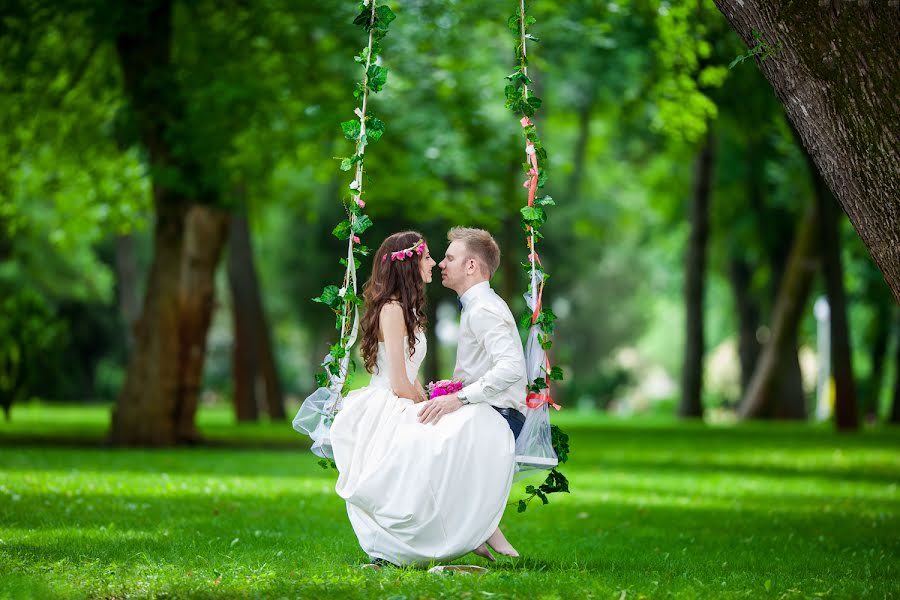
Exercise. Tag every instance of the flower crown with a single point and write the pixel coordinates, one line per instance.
(418, 248)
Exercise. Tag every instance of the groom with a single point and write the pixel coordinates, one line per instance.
(489, 358)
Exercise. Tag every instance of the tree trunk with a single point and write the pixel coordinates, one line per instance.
(748, 315)
(845, 415)
(585, 111)
(879, 336)
(206, 233)
(895, 403)
(695, 282)
(158, 400)
(762, 394)
(833, 66)
(127, 278)
(147, 403)
(253, 358)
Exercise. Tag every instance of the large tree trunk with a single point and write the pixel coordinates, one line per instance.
(833, 66)
(253, 357)
(878, 338)
(206, 233)
(127, 284)
(845, 415)
(748, 315)
(762, 397)
(158, 401)
(695, 282)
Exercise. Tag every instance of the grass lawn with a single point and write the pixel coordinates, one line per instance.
(657, 510)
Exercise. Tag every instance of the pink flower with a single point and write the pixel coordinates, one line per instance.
(360, 203)
(409, 253)
(525, 121)
(356, 240)
(443, 387)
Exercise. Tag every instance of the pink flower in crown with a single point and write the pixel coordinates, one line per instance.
(356, 240)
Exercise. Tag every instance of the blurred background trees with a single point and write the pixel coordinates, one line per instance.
(170, 189)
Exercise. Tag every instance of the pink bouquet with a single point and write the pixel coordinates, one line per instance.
(443, 387)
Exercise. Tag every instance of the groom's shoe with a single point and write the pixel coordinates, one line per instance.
(498, 544)
(483, 552)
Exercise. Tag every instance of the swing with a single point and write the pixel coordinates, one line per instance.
(539, 447)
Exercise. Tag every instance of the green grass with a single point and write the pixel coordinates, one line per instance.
(658, 509)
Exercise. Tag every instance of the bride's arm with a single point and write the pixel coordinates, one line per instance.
(423, 395)
(393, 327)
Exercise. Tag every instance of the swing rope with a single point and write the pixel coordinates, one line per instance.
(318, 410)
(535, 397)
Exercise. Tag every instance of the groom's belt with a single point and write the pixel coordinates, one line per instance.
(511, 413)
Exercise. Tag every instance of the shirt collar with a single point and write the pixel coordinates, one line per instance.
(473, 292)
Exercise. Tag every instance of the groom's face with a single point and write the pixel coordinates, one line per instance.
(454, 269)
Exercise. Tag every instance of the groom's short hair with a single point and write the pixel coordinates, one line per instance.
(481, 246)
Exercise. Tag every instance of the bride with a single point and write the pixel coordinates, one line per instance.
(415, 493)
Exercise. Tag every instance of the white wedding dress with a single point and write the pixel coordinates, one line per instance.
(419, 493)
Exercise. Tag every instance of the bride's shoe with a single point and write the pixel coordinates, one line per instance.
(483, 552)
(498, 544)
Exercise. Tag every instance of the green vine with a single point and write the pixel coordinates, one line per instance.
(533, 215)
(763, 49)
(338, 368)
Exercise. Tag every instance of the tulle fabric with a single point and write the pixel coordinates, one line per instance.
(534, 446)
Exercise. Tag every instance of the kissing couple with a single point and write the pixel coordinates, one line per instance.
(428, 480)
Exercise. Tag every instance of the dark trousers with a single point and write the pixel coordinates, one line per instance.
(514, 419)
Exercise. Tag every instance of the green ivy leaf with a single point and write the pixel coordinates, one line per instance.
(362, 19)
(322, 379)
(374, 128)
(513, 24)
(330, 296)
(525, 321)
(521, 506)
(383, 17)
(351, 129)
(556, 374)
(533, 215)
(342, 230)
(361, 224)
(545, 201)
(377, 77)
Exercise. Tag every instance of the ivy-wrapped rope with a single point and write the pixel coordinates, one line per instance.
(338, 368)
(538, 322)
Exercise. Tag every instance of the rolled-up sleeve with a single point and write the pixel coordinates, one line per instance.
(500, 339)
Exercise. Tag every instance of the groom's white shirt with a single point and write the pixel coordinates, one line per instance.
(489, 357)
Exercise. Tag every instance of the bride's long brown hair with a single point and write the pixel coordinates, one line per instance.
(393, 281)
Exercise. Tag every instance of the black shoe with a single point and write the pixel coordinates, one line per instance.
(382, 563)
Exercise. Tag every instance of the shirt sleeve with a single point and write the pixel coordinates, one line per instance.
(500, 339)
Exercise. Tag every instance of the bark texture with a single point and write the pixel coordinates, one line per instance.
(833, 66)
(763, 397)
(695, 282)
